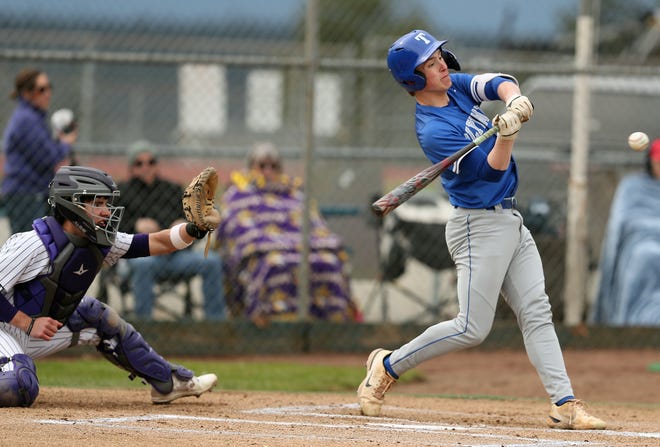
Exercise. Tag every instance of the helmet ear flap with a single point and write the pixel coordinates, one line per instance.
(450, 60)
(420, 79)
(416, 81)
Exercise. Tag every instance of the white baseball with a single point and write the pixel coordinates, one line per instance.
(638, 141)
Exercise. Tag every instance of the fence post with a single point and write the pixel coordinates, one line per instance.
(311, 60)
(575, 285)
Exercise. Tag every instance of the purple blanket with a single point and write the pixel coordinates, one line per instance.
(260, 244)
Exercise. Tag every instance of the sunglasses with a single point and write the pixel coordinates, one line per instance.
(273, 166)
(140, 163)
(43, 88)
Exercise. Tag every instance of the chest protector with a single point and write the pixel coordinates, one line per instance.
(75, 263)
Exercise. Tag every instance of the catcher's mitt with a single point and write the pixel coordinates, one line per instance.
(198, 201)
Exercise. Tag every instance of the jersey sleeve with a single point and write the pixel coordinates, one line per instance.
(484, 86)
(481, 87)
(127, 246)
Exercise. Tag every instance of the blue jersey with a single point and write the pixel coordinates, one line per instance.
(441, 131)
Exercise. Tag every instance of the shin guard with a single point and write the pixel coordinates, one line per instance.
(123, 345)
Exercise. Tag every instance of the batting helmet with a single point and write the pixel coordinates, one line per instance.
(74, 185)
(411, 50)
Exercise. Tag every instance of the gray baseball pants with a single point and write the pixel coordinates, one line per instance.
(493, 251)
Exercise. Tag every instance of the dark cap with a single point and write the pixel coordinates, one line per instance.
(140, 147)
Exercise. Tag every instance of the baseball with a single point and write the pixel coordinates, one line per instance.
(638, 141)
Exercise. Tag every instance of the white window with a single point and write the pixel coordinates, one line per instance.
(202, 98)
(264, 98)
(327, 105)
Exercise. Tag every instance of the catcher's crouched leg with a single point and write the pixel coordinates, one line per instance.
(125, 347)
(19, 387)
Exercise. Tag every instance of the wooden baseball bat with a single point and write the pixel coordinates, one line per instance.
(416, 183)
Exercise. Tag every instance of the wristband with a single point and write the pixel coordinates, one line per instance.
(176, 239)
(508, 103)
(29, 328)
(195, 231)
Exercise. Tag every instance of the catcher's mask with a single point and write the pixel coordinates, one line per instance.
(412, 50)
(72, 187)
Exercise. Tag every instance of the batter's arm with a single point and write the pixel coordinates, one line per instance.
(515, 101)
(507, 91)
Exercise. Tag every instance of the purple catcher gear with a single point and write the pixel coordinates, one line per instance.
(20, 386)
(124, 346)
(411, 50)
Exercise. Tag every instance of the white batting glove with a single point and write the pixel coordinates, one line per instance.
(522, 106)
(509, 124)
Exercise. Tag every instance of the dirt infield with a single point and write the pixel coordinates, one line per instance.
(468, 399)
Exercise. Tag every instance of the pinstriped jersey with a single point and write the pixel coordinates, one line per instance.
(24, 257)
(441, 131)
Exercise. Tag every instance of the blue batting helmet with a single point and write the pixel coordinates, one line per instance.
(411, 50)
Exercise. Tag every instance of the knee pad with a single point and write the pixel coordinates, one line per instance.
(91, 313)
(20, 386)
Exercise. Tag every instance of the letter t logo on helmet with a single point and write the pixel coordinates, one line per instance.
(411, 50)
(423, 38)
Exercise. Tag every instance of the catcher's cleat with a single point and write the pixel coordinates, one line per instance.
(371, 392)
(573, 416)
(184, 388)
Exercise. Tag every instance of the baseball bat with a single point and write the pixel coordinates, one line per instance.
(416, 183)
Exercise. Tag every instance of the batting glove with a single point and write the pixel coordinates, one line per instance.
(509, 125)
(522, 106)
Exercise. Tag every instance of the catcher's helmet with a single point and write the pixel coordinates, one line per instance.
(74, 185)
(411, 50)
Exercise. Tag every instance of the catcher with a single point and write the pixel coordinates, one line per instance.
(45, 274)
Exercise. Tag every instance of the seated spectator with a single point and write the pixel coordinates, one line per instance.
(629, 288)
(259, 239)
(151, 204)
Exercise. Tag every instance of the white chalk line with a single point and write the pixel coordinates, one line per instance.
(382, 424)
(314, 411)
(126, 423)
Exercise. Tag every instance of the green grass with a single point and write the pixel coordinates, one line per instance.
(262, 376)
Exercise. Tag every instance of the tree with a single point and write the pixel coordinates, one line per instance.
(622, 26)
(358, 24)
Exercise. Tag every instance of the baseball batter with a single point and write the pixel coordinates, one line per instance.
(45, 273)
(493, 250)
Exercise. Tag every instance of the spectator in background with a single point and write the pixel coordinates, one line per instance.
(152, 204)
(32, 153)
(260, 241)
(629, 285)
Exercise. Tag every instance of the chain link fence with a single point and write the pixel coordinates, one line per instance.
(204, 91)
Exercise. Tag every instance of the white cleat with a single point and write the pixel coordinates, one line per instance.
(184, 388)
(371, 392)
(573, 416)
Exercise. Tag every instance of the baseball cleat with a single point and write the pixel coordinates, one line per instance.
(573, 416)
(371, 392)
(184, 388)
